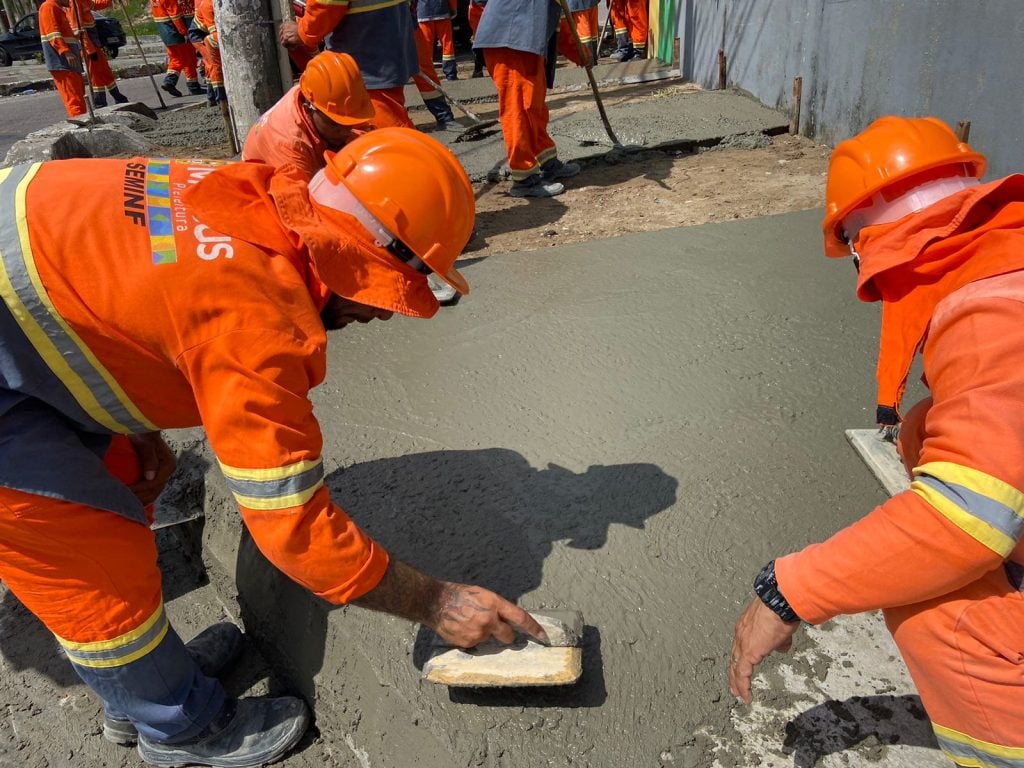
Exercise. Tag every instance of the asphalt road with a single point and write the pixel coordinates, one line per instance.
(22, 114)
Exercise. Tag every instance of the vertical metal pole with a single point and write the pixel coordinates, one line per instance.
(84, 58)
(142, 53)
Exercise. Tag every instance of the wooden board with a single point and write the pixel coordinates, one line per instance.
(881, 457)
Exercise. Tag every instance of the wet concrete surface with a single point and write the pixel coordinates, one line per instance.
(629, 428)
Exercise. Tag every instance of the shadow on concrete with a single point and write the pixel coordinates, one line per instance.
(543, 210)
(480, 517)
(867, 722)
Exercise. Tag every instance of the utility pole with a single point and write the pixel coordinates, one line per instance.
(249, 52)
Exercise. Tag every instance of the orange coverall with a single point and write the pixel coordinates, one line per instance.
(58, 40)
(172, 23)
(631, 23)
(82, 21)
(284, 137)
(161, 319)
(204, 19)
(941, 558)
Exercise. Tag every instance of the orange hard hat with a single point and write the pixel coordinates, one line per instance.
(887, 157)
(332, 83)
(408, 191)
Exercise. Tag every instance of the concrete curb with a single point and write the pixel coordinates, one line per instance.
(46, 84)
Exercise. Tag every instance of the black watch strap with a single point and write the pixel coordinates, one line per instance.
(767, 588)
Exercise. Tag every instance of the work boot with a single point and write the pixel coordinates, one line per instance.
(450, 70)
(99, 99)
(249, 732)
(534, 185)
(623, 48)
(639, 52)
(442, 112)
(170, 85)
(444, 293)
(213, 649)
(478, 62)
(554, 169)
(119, 98)
(194, 88)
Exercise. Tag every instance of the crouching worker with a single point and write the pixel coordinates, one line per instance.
(225, 327)
(943, 560)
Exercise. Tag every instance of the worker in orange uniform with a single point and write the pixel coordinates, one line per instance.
(514, 36)
(101, 77)
(630, 21)
(426, 81)
(203, 33)
(378, 35)
(474, 13)
(434, 18)
(585, 17)
(173, 18)
(943, 560)
(62, 55)
(326, 110)
(204, 300)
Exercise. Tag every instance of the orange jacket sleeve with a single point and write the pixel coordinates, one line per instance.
(51, 28)
(964, 513)
(320, 18)
(252, 391)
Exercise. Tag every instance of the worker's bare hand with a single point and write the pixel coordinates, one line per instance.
(72, 60)
(758, 632)
(289, 35)
(157, 464)
(468, 615)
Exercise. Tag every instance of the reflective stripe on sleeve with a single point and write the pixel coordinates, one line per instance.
(21, 288)
(983, 506)
(365, 6)
(975, 753)
(276, 488)
(121, 650)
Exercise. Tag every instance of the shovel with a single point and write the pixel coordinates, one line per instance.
(475, 131)
(524, 663)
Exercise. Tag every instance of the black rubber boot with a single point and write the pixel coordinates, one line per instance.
(119, 98)
(99, 99)
(441, 111)
(249, 733)
(593, 52)
(478, 62)
(554, 169)
(195, 88)
(214, 649)
(170, 85)
(450, 70)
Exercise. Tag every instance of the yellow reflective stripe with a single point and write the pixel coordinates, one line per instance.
(4, 173)
(375, 6)
(332, 2)
(45, 346)
(977, 481)
(51, 36)
(977, 529)
(270, 473)
(120, 640)
(123, 649)
(280, 502)
(1001, 755)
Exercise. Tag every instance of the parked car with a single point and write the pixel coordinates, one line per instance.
(23, 42)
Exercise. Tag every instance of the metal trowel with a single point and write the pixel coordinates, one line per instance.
(523, 663)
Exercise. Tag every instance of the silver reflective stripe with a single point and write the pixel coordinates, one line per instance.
(279, 488)
(975, 753)
(65, 354)
(1001, 517)
(122, 650)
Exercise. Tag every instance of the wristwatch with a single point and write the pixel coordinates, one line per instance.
(767, 588)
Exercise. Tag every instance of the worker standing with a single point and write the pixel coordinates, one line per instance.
(474, 13)
(172, 18)
(585, 17)
(378, 35)
(101, 77)
(62, 55)
(943, 560)
(631, 23)
(203, 32)
(326, 110)
(426, 80)
(434, 19)
(514, 36)
(204, 300)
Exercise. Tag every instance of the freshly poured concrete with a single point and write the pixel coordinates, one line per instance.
(629, 428)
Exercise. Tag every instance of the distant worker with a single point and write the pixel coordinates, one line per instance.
(326, 110)
(62, 56)
(426, 81)
(434, 19)
(474, 14)
(205, 300)
(378, 35)
(203, 33)
(631, 24)
(585, 17)
(172, 18)
(514, 36)
(101, 77)
(943, 560)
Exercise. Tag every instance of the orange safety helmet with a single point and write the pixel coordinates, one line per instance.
(882, 159)
(332, 83)
(408, 191)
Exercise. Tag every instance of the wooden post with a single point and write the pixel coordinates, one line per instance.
(721, 69)
(281, 10)
(963, 130)
(248, 51)
(794, 121)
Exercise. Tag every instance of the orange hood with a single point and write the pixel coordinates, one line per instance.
(251, 202)
(912, 264)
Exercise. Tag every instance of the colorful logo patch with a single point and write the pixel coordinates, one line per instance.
(158, 205)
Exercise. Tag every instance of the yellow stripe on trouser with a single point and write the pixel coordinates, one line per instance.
(121, 650)
(975, 753)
